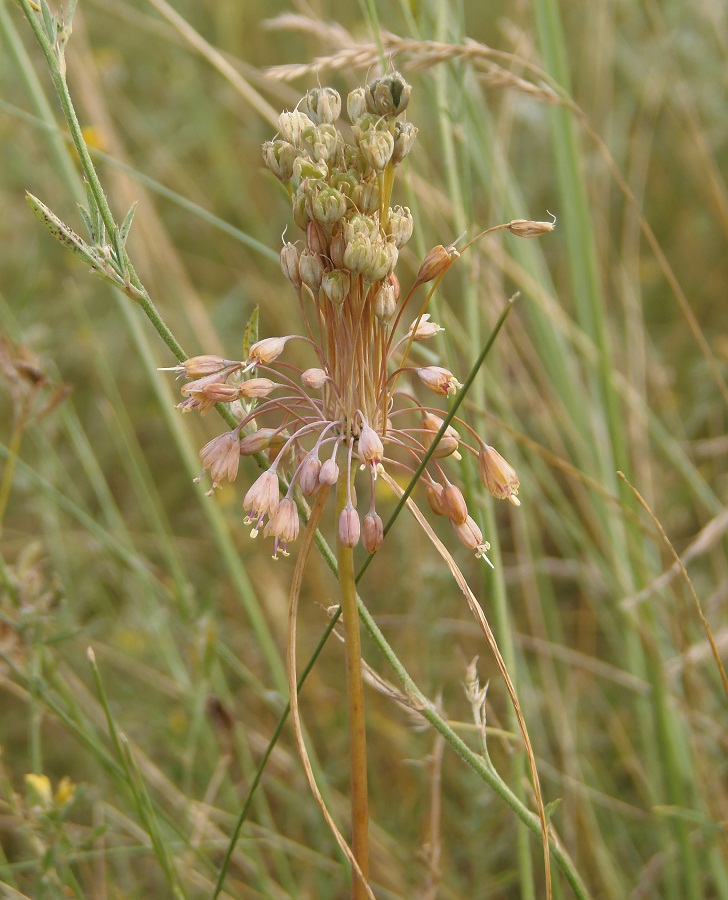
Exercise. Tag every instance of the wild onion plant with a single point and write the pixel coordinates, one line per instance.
(174, 730)
(358, 405)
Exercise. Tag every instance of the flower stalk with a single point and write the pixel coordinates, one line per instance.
(355, 706)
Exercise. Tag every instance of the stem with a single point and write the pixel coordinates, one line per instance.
(355, 702)
(13, 453)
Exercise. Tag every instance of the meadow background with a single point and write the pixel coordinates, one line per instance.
(610, 115)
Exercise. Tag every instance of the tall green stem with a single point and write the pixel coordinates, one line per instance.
(355, 704)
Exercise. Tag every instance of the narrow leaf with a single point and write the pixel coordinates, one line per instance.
(49, 21)
(67, 236)
(88, 222)
(250, 335)
(98, 234)
(126, 224)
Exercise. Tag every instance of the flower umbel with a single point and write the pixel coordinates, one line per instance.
(351, 407)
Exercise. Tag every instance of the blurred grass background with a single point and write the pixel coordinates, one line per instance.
(106, 543)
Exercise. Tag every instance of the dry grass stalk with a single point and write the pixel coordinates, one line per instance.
(413, 55)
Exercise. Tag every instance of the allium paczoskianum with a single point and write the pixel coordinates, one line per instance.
(346, 408)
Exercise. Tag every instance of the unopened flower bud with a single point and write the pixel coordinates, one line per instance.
(214, 391)
(356, 105)
(314, 379)
(308, 477)
(448, 443)
(401, 225)
(370, 446)
(336, 285)
(316, 239)
(453, 503)
(311, 269)
(372, 532)
(385, 299)
(209, 385)
(279, 157)
(527, 229)
(498, 476)
(200, 366)
(257, 387)
(388, 96)
(328, 206)
(256, 442)
(433, 492)
(323, 105)
(404, 140)
(338, 246)
(289, 263)
(376, 147)
(329, 473)
(349, 526)
(437, 262)
(301, 211)
(265, 351)
(423, 328)
(439, 380)
(292, 125)
(471, 536)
